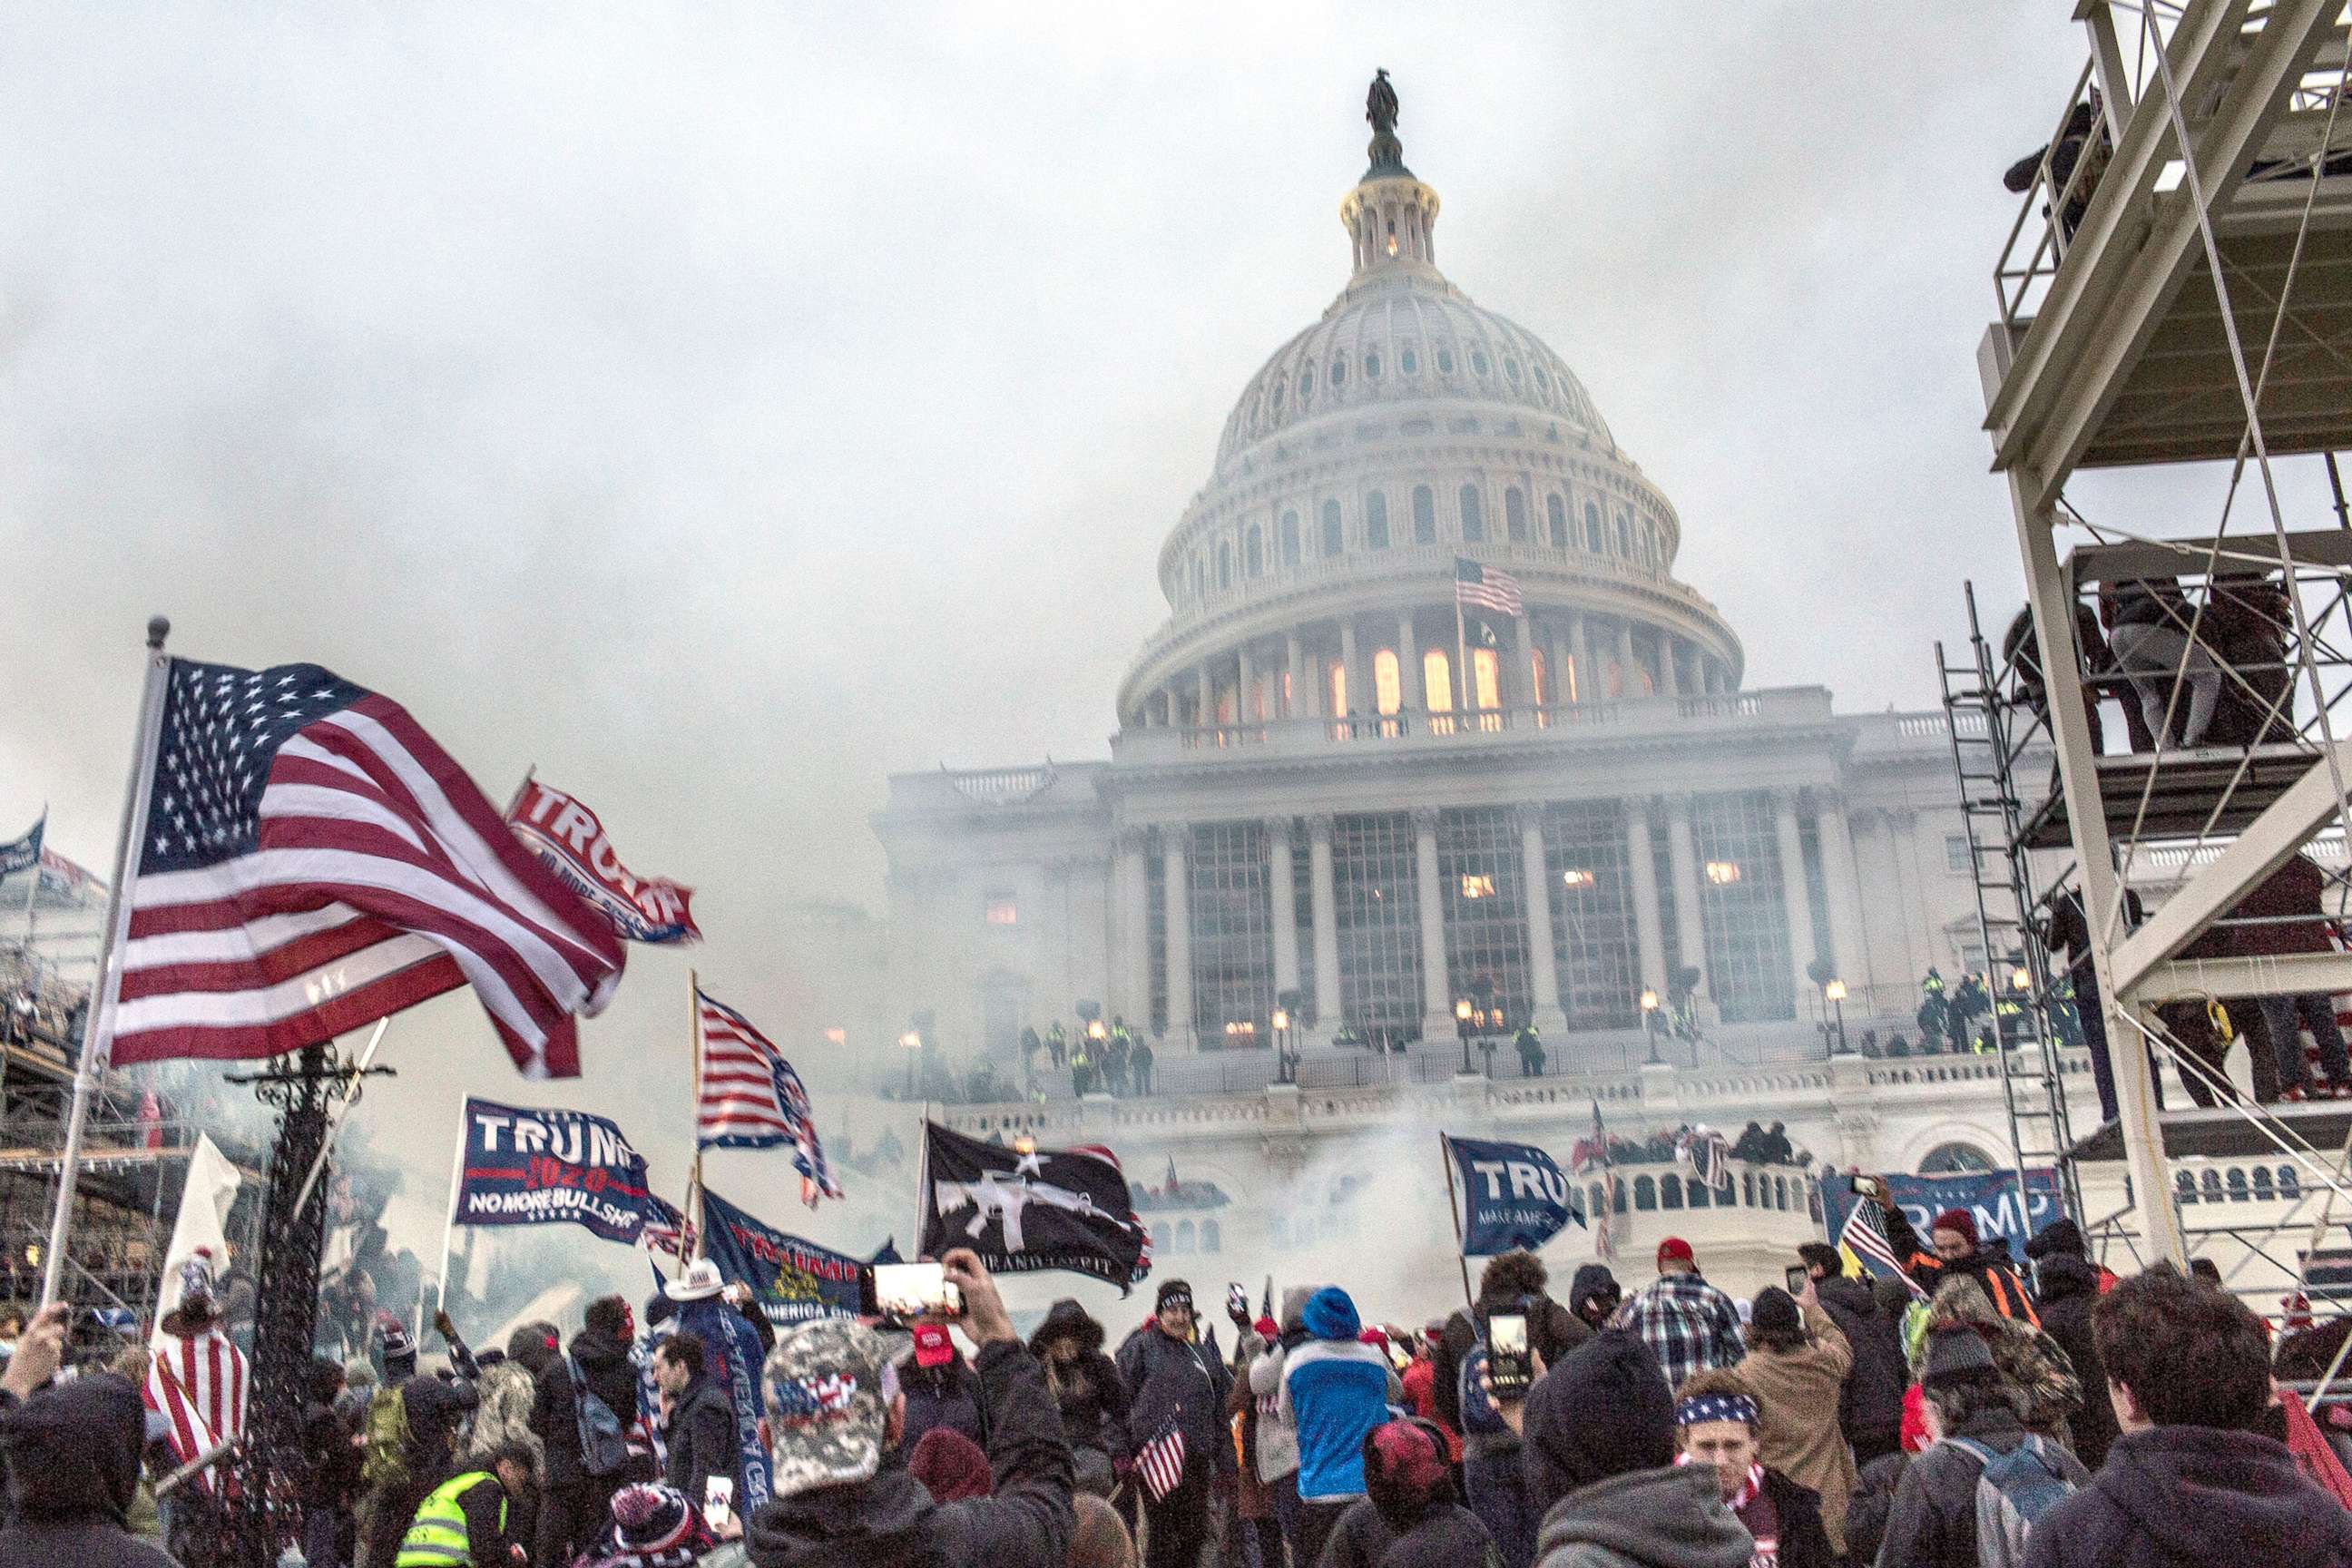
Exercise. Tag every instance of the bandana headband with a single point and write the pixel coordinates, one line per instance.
(1716, 1407)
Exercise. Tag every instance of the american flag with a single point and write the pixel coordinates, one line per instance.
(199, 1384)
(1866, 1240)
(666, 1229)
(1160, 1462)
(1480, 587)
(1592, 1154)
(311, 862)
(751, 1097)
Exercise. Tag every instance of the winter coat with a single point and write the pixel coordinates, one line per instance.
(1804, 1536)
(1171, 1380)
(890, 1522)
(72, 1453)
(1090, 1391)
(610, 1376)
(2192, 1496)
(2070, 1289)
(1552, 1331)
(1874, 1496)
(702, 1441)
(1799, 1390)
(1870, 1405)
(2029, 1360)
(1933, 1520)
(1334, 1391)
(942, 1397)
(1278, 1439)
(330, 1480)
(1645, 1519)
(508, 1391)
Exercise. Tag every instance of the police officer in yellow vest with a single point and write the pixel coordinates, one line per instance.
(463, 1522)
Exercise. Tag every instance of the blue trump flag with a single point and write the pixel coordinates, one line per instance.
(735, 1362)
(793, 1281)
(1513, 1195)
(522, 1166)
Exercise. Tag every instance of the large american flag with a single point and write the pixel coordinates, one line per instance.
(751, 1097)
(1480, 587)
(199, 1384)
(311, 862)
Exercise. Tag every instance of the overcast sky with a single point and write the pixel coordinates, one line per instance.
(722, 406)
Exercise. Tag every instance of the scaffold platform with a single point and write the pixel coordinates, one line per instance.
(2229, 1133)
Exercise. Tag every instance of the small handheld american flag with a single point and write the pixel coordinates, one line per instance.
(1160, 1462)
(1478, 587)
(1866, 1239)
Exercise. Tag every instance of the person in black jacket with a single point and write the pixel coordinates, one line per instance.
(1408, 1515)
(701, 1424)
(2188, 1484)
(1491, 1464)
(72, 1453)
(843, 1498)
(1089, 1390)
(1870, 1404)
(1171, 1380)
(573, 1504)
(330, 1479)
(2068, 1283)
(1932, 1522)
(1717, 1425)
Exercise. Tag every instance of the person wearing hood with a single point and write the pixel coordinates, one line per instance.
(573, 1504)
(1409, 1516)
(1795, 1370)
(1088, 1389)
(1599, 1430)
(1255, 1527)
(1870, 1402)
(72, 1453)
(844, 1495)
(2187, 1483)
(1335, 1390)
(2068, 1283)
(508, 1389)
(1174, 1381)
(1511, 1282)
(1718, 1423)
(1277, 1438)
(1973, 1416)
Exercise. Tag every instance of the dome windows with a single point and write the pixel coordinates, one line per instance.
(1224, 564)
(1334, 535)
(1408, 361)
(1480, 364)
(1339, 374)
(1372, 367)
(1556, 516)
(1307, 386)
(1514, 514)
(1625, 534)
(1278, 394)
(1593, 542)
(1473, 515)
(1543, 380)
(1444, 361)
(1286, 535)
(1511, 371)
(1425, 515)
(1253, 552)
(1376, 521)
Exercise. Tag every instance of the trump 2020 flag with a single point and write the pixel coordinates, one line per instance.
(1513, 1196)
(523, 1166)
(1025, 1211)
(569, 839)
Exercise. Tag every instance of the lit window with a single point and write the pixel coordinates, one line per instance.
(1540, 668)
(1723, 873)
(836, 1035)
(1556, 519)
(1473, 515)
(1437, 681)
(1514, 514)
(1334, 538)
(1002, 911)
(1338, 686)
(1388, 687)
(1425, 515)
(1486, 677)
(1576, 876)
(1477, 885)
(1376, 520)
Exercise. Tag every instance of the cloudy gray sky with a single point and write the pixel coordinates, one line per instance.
(721, 407)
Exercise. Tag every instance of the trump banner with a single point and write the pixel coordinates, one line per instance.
(793, 1281)
(1989, 1196)
(731, 1354)
(569, 840)
(523, 1166)
(1514, 1196)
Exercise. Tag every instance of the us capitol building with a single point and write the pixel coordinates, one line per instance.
(1327, 799)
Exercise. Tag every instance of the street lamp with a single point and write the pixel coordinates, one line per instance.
(1836, 992)
(1649, 1024)
(1461, 1028)
(911, 1042)
(1281, 1021)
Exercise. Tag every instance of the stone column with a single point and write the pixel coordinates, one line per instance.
(1633, 675)
(1560, 666)
(1281, 882)
(1409, 674)
(1803, 945)
(1543, 959)
(1684, 659)
(1323, 898)
(1690, 918)
(1173, 841)
(1649, 924)
(1524, 643)
(1206, 715)
(1302, 700)
(1849, 946)
(1347, 662)
(1591, 686)
(1436, 985)
(1132, 964)
(1246, 689)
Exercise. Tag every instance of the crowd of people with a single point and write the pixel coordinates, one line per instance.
(1953, 1416)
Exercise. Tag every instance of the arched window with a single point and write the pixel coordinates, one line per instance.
(1955, 1159)
(1287, 537)
(1254, 551)
(1333, 538)
(1424, 516)
(1669, 1192)
(1224, 564)
(1511, 371)
(1338, 374)
(1473, 515)
(2236, 1179)
(1376, 520)
(1514, 514)
(1485, 679)
(1620, 1186)
(1699, 1197)
(1338, 682)
(1645, 1194)
(1437, 681)
(1445, 367)
(1408, 361)
(1306, 386)
(1781, 1193)
(2263, 1192)
(1747, 1189)
(1540, 667)
(1387, 686)
(1183, 1235)
(1276, 399)
(1625, 534)
(1650, 542)
(2184, 1186)
(1212, 1238)
(2289, 1183)
(1592, 528)
(1372, 367)
(1199, 577)
(1556, 519)
(1595, 1203)
(1480, 363)
(2209, 1185)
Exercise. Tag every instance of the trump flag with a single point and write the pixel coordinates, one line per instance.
(1513, 1196)
(569, 840)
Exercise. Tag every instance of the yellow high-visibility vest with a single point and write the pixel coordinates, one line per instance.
(438, 1538)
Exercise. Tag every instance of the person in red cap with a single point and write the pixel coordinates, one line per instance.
(1961, 1253)
(1692, 1326)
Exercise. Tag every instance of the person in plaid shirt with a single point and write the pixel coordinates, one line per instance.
(1692, 1326)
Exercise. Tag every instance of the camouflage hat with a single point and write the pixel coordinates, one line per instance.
(828, 1387)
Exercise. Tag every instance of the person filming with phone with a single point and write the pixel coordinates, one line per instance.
(844, 1496)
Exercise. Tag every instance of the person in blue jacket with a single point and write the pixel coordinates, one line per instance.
(1335, 1390)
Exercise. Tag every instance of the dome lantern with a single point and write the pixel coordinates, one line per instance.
(1390, 216)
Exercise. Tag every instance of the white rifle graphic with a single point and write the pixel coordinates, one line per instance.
(1005, 1197)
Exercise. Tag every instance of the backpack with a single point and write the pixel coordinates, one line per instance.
(2013, 1490)
(388, 1445)
(604, 1446)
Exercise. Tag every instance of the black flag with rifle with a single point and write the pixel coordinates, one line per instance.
(1028, 1210)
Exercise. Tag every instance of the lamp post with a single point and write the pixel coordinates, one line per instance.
(1835, 993)
(1650, 1025)
(1282, 1065)
(1462, 1030)
(911, 1042)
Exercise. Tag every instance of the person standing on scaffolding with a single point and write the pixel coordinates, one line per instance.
(2286, 914)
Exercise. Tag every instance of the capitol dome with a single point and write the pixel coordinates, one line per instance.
(1408, 438)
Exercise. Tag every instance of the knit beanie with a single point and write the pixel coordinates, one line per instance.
(1958, 1355)
(951, 1465)
(1603, 1410)
(1330, 1314)
(1405, 1471)
(2060, 1238)
(1960, 1220)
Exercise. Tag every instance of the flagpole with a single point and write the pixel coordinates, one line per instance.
(694, 1180)
(922, 1173)
(1454, 1207)
(449, 1227)
(1461, 655)
(97, 1017)
(34, 891)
